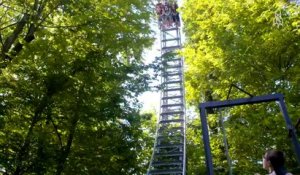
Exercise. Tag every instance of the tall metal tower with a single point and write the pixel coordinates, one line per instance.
(169, 152)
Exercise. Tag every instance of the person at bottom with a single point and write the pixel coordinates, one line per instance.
(273, 161)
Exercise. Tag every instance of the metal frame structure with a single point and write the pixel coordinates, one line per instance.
(228, 103)
(169, 152)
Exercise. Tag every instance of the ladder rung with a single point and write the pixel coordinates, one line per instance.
(172, 82)
(170, 129)
(170, 145)
(171, 113)
(172, 75)
(170, 29)
(170, 171)
(176, 136)
(166, 74)
(171, 47)
(172, 97)
(175, 89)
(172, 66)
(172, 105)
(170, 121)
(172, 39)
(161, 163)
(170, 60)
(169, 154)
(172, 78)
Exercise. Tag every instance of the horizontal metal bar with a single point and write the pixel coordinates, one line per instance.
(172, 113)
(172, 97)
(162, 163)
(171, 136)
(172, 105)
(241, 101)
(171, 60)
(174, 89)
(170, 29)
(172, 39)
(171, 121)
(172, 74)
(172, 66)
(170, 171)
(172, 82)
(175, 145)
(171, 47)
(169, 154)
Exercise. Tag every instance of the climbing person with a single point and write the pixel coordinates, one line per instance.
(273, 161)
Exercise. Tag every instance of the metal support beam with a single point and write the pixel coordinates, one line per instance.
(290, 128)
(208, 157)
(243, 101)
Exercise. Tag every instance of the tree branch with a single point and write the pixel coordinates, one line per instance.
(8, 7)
(9, 26)
(1, 41)
(65, 151)
(33, 27)
(56, 130)
(12, 38)
(31, 30)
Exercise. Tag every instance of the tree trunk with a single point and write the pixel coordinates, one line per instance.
(65, 151)
(24, 148)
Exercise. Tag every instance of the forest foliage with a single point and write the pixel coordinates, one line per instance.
(255, 45)
(71, 72)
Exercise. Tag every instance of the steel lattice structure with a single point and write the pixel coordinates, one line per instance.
(169, 152)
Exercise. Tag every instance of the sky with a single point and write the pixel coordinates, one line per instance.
(151, 100)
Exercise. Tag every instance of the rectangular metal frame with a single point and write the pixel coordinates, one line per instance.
(242, 101)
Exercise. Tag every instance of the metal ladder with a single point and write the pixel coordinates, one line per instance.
(169, 153)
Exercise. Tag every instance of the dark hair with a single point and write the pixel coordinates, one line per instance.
(277, 160)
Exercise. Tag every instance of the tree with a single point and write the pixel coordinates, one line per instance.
(254, 45)
(69, 84)
(195, 149)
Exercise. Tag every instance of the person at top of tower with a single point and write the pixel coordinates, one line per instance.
(273, 161)
(159, 8)
(159, 11)
(167, 14)
(175, 14)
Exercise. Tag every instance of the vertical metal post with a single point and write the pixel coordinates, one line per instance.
(290, 128)
(208, 157)
(221, 121)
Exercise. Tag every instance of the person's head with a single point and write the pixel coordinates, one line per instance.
(174, 4)
(273, 160)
